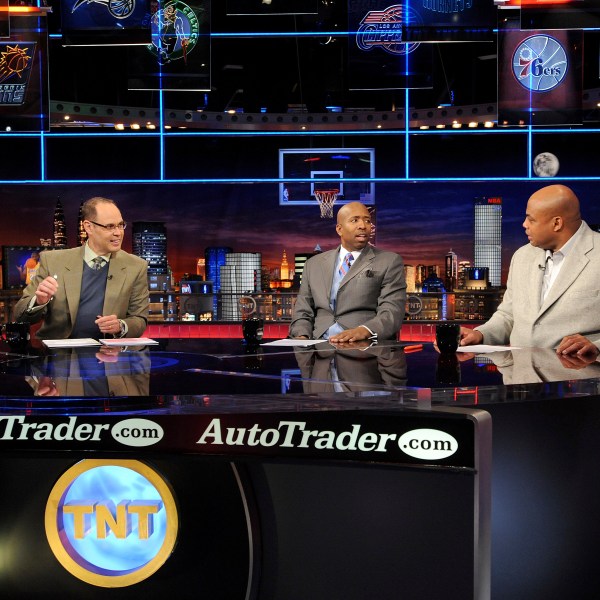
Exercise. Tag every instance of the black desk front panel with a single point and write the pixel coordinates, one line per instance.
(321, 522)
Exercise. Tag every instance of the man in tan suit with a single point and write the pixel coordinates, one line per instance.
(552, 297)
(343, 302)
(91, 291)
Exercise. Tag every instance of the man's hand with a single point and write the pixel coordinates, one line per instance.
(46, 290)
(577, 344)
(351, 335)
(469, 337)
(576, 361)
(362, 345)
(46, 387)
(108, 324)
(108, 354)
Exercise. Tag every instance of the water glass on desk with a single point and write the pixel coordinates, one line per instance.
(252, 329)
(15, 334)
(447, 336)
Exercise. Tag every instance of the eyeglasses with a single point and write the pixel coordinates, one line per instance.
(111, 226)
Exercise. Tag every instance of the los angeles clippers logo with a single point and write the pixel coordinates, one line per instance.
(540, 63)
(383, 29)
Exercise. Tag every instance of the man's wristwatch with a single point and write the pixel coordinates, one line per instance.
(122, 326)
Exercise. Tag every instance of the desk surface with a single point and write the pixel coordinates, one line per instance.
(197, 374)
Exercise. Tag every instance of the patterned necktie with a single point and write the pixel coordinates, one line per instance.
(346, 264)
(98, 263)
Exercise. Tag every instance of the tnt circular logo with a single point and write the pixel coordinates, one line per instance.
(540, 63)
(111, 523)
(414, 305)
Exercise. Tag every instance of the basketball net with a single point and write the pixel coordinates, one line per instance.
(326, 200)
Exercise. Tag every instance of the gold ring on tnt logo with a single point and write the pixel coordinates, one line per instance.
(111, 523)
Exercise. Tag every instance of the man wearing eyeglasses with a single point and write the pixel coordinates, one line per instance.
(93, 291)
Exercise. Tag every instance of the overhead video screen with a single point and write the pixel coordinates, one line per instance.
(272, 7)
(560, 14)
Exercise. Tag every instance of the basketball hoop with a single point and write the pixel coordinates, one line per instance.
(326, 200)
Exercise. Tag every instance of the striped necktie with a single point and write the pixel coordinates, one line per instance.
(98, 263)
(346, 264)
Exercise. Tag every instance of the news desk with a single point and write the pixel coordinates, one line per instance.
(299, 473)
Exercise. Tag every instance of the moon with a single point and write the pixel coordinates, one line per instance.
(545, 164)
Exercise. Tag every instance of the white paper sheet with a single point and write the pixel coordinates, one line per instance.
(292, 342)
(143, 341)
(484, 348)
(74, 343)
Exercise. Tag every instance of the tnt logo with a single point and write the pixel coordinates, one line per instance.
(111, 523)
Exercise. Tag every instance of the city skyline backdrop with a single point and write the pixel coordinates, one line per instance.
(422, 221)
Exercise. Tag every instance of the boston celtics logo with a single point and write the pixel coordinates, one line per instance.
(175, 32)
(540, 63)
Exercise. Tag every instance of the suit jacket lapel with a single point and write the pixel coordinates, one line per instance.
(73, 274)
(574, 263)
(114, 284)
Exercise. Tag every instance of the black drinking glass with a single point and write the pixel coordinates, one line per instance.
(15, 334)
(253, 330)
(447, 336)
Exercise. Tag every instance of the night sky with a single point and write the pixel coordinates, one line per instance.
(421, 221)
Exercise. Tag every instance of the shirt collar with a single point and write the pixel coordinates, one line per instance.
(343, 252)
(89, 255)
(570, 243)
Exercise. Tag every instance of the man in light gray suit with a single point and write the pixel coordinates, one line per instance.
(90, 291)
(353, 293)
(552, 297)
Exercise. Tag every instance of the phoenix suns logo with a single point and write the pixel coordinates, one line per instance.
(16, 60)
(175, 31)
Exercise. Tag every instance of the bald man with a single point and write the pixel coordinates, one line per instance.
(355, 292)
(552, 297)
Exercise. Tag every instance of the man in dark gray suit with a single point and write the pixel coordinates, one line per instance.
(552, 297)
(353, 293)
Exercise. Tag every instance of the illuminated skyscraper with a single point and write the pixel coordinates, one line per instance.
(299, 260)
(60, 228)
(451, 271)
(81, 233)
(240, 275)
(201, 267)
(410, 276)
(150, 242)
(488, 237)
(214, 259)
(285, 270)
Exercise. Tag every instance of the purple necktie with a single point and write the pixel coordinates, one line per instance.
(346, 264)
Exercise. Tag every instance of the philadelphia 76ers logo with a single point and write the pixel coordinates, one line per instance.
(540, 63)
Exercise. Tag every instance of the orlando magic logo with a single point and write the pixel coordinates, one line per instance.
(383, 29)
(540, 63)
(119, 9)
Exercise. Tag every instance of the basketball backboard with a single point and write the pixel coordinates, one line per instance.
(304, 170)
